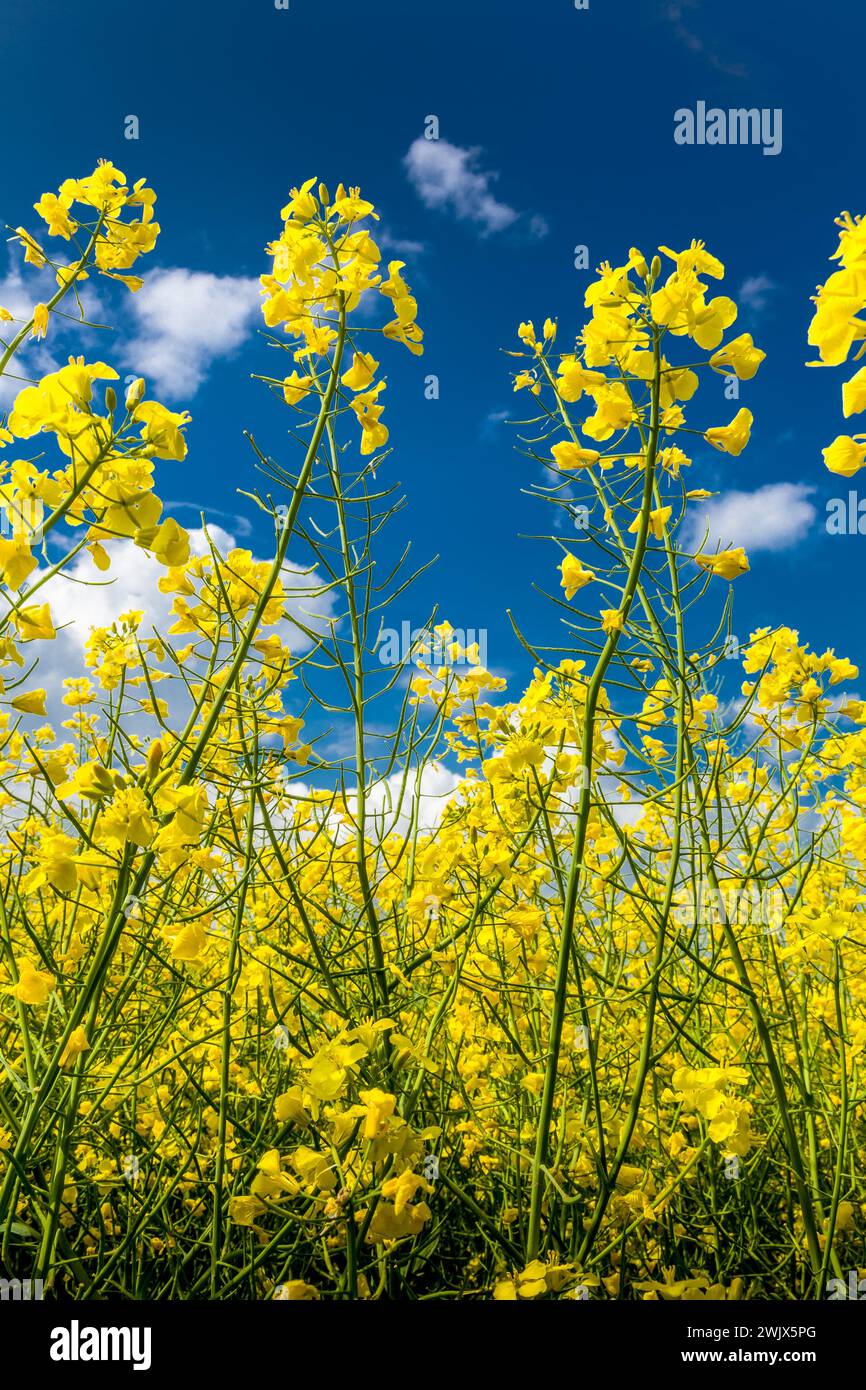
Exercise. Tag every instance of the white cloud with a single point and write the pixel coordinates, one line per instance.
(83, 598)
(238, 524)
(773, 517)
(448, 177)
(31, 362)
(391, 807)
(403, 246)
(185, 320)
(490, 422)
(16, 297)
(35, 359)
(756, 290)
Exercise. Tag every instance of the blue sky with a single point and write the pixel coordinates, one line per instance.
(566, 119)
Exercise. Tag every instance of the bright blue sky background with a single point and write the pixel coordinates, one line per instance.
(574, 113)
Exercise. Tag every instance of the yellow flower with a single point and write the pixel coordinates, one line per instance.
(524, 379)
(91, 780)
(379, 1107)
(846, 456)
(568, 455)
(55, 212)
(76, 1044)
(33, 702)
(732, 438)
(189, 942)
(16, 561)
(360, 374)
(271, 1182)
(403, 328)
(613, 411)
(54, 864)
(727, 564)
(296, 1291)
(290, 1107)
(835, 326)
(314, 1169)
(401, 1190)
(532, 1280)
(34, 985)
(162, 430)
(244, 1210)
(34, 622)
(170, 543)
(33, 253)
(99, 556)
(368, 410)
(296, 387)
(657, 522)
(854, 394)
(574, 575)
(612, 620)
(328, 1070)
(574, 379)
(709, 322)
(128, 819)
(40, 321)
(739, 356)
(350, 207)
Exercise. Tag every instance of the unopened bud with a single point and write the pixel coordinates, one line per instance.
(110, 400)
(154, 758)
(135, 393)
(656, 267)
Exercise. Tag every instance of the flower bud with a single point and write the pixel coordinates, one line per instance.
(154, 758)
(135, 393)
(110, 400)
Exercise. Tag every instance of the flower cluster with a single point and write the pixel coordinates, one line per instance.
(294, 1007)
(836, 328)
